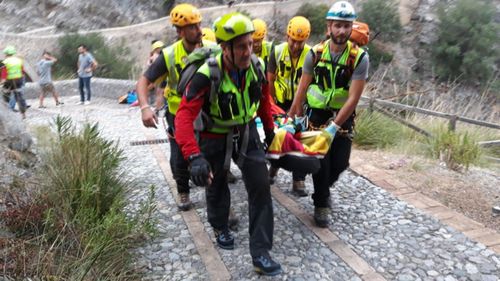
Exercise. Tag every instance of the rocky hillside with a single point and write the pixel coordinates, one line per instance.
(69, 15)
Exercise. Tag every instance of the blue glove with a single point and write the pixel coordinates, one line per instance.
(200, 170)
(290, 128)
(332, 129)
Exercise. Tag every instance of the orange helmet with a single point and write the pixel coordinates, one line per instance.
(185, 14)
(260, 29)
(299, 28)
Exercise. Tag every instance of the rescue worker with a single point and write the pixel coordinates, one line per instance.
(333, 79)
(156, 89)
(186, 19)
(261, 47)
(284, 72)
(230, 131)
(12, 78)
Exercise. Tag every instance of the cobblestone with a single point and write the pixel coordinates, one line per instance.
(399, 241)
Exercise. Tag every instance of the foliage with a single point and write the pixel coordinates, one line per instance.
(113, 61)
(316, 15)
(76, 228)
(382, 16)
(377, 56)
(467, 36)
(374, 130)
(457, 150)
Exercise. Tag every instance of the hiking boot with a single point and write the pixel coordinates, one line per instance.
(232, 220)
(299, 188)
(273, 172)
(224, 239)
(230, 177)
(321, 216)
(266, 266)
(59, 103)
(184, 202)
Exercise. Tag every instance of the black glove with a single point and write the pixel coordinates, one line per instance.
(269, 138)
(200, 170)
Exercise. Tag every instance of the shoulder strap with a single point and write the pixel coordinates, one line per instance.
(215, 77)
(261, 76)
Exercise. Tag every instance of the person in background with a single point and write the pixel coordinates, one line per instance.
(86, 65)
(333, 78)
(156, 89)
(44, 71)
(12, 78)
(283, 72)
(261, 47)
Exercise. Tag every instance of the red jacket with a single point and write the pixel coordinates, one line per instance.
(191, 104)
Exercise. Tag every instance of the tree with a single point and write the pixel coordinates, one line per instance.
(467, 41)
(316, 15)
(382, 16)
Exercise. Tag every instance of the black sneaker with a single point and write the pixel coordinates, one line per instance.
(266, 266)
(224, 238)
(321, 216)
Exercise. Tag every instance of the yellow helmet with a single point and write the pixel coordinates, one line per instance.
(260, 29)
(185, 14)
(299, 28)
(156, 45)
(208, 34)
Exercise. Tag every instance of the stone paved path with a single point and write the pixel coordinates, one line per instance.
(373, 235)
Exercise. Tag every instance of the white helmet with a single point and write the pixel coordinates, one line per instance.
(341, 10)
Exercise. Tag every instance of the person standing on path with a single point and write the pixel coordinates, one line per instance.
(12, 78)
(86, 65)
(229, 132)
(187, 20)
(333, 78)
(156, 89)
(44, 71)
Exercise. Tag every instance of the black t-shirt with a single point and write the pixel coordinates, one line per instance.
(157, 69)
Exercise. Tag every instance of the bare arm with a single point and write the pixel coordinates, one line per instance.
(300, 96)
(149, 119)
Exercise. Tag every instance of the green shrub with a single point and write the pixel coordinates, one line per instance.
(456, 150)
(77, 227)
(467, 36)
(378, 56)
(374, 130)
(382, 16)
(113, 61)
(316, 15)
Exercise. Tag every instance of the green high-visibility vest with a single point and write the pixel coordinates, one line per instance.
(14, 66)
(287, 77)
(330, 88)
(231, 106)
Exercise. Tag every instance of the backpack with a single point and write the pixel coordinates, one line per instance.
(317, 52)
(360, 33)
(195, 60)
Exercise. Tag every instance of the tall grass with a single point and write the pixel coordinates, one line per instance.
(80, 230)
(374, 130)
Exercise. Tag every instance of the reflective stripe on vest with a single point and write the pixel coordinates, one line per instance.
(14, 67)
(230, 106)
(175, 59)
(323, 94)
(283, 85)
